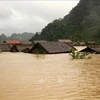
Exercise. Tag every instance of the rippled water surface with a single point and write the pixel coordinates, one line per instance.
(48, 77)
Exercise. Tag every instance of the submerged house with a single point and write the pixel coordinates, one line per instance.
(20, 48)
(82, 43)
(92, 49)
(91, 43)
(4, 47)
(10, 43)
(76, 44)
(51, 48)
(36, 41)
(26, 43)
(68, 41)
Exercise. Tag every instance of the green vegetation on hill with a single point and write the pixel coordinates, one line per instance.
(81, 24)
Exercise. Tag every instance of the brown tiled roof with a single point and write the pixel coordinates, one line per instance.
(91, 42)
(36, 41)
(65, 40)
(26, 43)
(82, 43)
(12, 42)
(93, 48)
(96, 50)
(20, 48)
(54, 47)
(4, 47)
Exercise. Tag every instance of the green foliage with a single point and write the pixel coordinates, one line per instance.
(79, 25)
(78, 55)
(39, 50)
(35, 37)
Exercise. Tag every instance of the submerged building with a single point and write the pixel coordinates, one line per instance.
(51, 48)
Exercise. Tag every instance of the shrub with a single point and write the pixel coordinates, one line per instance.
(78, 55)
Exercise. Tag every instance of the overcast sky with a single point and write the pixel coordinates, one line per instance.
(31, 16)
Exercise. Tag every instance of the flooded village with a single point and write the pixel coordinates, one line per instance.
(46, 71)
(48, 47)
(50, 50)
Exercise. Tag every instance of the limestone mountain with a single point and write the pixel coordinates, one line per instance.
(81, 24)
(21, 37)
(2, 37)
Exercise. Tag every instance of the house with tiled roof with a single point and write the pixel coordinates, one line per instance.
(26, 43)
(91, 43)
(92, 49)
(68, 41)
(12, 42)
(36, 41)
(51, 48)
(21, 48)
(4, 47)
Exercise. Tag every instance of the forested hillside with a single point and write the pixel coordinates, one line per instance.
(81, 24)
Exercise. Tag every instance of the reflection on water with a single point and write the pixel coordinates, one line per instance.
(48, 77)
(40, 56)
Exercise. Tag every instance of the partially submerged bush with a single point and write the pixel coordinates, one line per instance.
(78, 55)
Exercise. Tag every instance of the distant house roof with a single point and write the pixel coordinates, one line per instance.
(26, 43)
(94, 46)
(91, 42)
(76, 43)
(53, 47)
(82, 43)
(20, 48)
(4, 47)
(65, 40)
(92, 49)
(35, 41)
(12, 42)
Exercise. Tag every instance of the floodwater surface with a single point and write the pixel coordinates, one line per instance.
(48, 77)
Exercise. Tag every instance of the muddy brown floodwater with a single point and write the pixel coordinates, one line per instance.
(48, 77)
